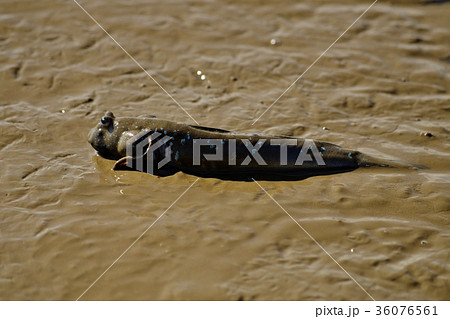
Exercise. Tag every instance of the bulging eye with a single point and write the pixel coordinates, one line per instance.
(107, 123)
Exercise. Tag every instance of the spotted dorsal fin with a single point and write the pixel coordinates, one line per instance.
(148, 116)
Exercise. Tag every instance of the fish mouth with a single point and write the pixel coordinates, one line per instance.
(103, 153)
(92, 135)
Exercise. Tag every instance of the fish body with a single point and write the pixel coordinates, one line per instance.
(205, 151)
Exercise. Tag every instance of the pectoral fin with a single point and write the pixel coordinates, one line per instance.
(124, 164)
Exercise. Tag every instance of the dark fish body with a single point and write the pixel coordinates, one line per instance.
(212, 152)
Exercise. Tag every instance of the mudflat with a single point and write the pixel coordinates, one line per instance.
(382, 89)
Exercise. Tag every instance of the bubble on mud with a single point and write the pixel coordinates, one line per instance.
(275, 42)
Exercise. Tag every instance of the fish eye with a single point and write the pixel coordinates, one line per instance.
(104, 120)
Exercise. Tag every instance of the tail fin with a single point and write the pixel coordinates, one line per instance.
(369, 161)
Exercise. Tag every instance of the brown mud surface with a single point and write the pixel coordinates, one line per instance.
(65, 216)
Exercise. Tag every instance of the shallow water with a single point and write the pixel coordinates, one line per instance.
(65, 216)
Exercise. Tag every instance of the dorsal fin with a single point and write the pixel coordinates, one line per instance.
(210, 129)
(148, 116)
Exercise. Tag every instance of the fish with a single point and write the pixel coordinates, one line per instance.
(163, 148)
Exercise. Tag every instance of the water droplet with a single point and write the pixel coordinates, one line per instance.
(274, 42)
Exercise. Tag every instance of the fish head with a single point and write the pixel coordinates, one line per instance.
(106, 136)
(112, 136)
